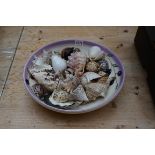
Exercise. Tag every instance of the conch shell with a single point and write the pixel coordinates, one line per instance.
(58, 63)
(77, 62)
(79, 94)
(88, 77)
(95, 53)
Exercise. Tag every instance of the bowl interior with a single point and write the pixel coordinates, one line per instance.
(113, 61)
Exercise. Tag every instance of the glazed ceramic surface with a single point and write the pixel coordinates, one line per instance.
(114, 63)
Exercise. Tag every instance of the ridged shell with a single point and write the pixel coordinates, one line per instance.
(95, 53)
(77, 62)
(92, 66)
(38, 90)
(103, 79)
(79, 94)
(88, 77)
(58, 63)
(94, 90)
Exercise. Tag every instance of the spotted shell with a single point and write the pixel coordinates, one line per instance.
(92, 66)
(77, 62)
(103, 79)
(60, 98)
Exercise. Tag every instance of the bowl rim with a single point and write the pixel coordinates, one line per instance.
(73, 111)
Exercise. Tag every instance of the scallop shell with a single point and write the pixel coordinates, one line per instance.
(79, 94)
(95, 53)
(77, 62)
(92, 66)
(88, 77)
(58, 63)
(60, 98)
(103, 79)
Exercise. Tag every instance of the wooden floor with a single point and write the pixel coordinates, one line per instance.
(133, 108)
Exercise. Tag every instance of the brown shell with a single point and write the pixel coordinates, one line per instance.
(103, 79)
(92, 66)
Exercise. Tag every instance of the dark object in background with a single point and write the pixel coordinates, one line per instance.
(145, 46)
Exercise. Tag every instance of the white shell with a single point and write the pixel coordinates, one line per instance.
(79, 94)
(96, 53)
(88, 76)
(58, 63)
(32, 82)
(55, 102)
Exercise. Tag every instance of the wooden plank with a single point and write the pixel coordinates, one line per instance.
(131, 109)
(9, 37)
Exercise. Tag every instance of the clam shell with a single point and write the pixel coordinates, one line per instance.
(58, 63)
(96, 53)
(79, 94)
(88, 77)
(92, 66)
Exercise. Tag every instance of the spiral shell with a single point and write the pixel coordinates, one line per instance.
(77, 62)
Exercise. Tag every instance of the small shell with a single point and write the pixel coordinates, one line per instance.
(32, 82)
(92, 66)
(79, 94)
(47, 57)
(60, 98)
(95, 53)
(38, 90)
(77, 62)
(70, 83)
(88, 77)
(58, 63)
(104, 66)
(66, 52)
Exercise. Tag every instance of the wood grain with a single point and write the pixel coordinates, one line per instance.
(9, 37)
(133, 108)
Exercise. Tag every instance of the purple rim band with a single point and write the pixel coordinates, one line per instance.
(73, 111)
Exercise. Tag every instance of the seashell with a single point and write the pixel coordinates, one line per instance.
(38, 90)
(60, 98)
(32, 82)
(77, 62)
(92, 66)
(79, 94)
(70, 83)
(95, 53)
(94, 90)
(47, 57)
(46, 79)
(58, 63)
(88, 77)
(67, 52)
(104, 66)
